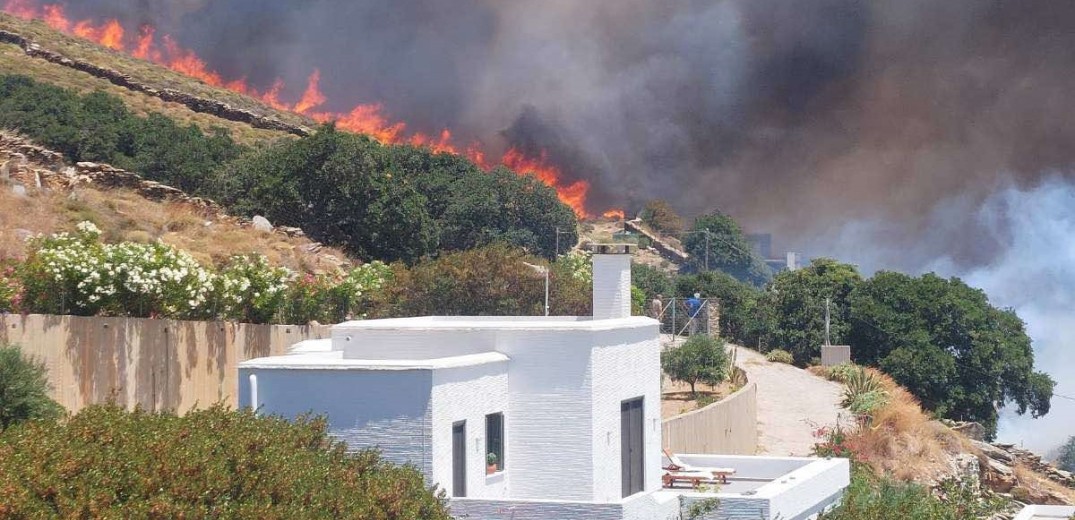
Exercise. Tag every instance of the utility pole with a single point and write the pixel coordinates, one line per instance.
(557, 242)
(706, 249)
(828, 302)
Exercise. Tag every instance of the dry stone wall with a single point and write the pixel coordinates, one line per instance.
(195, 103)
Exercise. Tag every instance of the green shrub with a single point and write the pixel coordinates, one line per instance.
(870, 497)
(105, 462)
(701, 359)
(842, 372)
(863, 392)
(780, 356)
(23, 390)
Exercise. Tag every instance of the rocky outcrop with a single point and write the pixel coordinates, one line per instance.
(195, 103)
(999, 465)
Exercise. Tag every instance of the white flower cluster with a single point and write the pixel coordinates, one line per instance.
(366, 278)
(579, 264)
(248, 288)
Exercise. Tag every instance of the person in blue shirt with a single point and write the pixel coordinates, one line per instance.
(694, 304)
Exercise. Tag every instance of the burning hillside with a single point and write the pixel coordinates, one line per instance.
(365, 119)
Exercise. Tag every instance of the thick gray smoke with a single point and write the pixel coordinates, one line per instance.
(898, 131)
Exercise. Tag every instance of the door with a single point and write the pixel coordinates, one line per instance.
(459, 459)
(632, 452)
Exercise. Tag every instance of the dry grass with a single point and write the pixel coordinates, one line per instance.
(903, 441)
(125, 216)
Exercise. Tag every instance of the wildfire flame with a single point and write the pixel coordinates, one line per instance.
(366, 119)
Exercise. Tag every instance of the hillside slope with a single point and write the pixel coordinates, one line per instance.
(127, 208)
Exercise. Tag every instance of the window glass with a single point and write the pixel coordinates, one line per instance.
(494, 440)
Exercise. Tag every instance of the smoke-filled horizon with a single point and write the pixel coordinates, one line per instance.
(882, 132)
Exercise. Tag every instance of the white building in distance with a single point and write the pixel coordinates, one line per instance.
(514, 417)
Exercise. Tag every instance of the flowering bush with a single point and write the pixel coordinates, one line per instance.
(832, 442)
(248, 289)
(75, 273)
(332, 299)
(10, 286)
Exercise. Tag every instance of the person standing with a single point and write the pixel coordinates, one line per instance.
(694, 304)
(656, 306)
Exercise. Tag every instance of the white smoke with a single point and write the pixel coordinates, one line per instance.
(1032, 228)
(1036, 276)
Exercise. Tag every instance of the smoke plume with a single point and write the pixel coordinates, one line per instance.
(913, 134)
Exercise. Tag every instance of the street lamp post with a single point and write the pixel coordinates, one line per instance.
(545, 271)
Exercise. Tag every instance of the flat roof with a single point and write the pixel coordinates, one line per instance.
(334, 360)
(443, 323)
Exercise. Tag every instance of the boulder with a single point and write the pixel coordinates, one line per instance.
(19, 190)
(998, 477)
(261, 223)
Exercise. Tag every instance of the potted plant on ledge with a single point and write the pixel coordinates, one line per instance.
(490, 461)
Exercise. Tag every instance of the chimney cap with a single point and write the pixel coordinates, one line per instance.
(613, 249)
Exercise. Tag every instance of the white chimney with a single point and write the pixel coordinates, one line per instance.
(612, 281)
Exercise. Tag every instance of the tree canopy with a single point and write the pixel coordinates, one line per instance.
(701, 359)
(795, 300)
(1066, 460)
(729, 250)
(393, 202)
(943, 341)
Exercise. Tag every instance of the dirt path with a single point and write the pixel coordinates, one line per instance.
(792, 403)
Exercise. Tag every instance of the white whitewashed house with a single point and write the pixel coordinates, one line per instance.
(569, 407)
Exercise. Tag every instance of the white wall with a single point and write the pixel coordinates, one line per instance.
(626, 365)
(611, 286)
(385, 409)
(550, 422)
(400, 343)
(470, 393)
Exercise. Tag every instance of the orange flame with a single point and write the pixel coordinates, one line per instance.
(573, 194)
(20, 8)
(365, 119)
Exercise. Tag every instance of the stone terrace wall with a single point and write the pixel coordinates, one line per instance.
(195, 103)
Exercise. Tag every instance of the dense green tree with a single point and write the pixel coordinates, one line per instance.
(98, 127)
(23, 390)
(659, 215)
(701, 359)
(1066, 459)
(653, 281)
(729, 250)
(796, 301)
(737, 302)
(492, 280)
(943, 341)
(106, 462)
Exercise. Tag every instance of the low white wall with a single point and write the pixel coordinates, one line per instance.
(749, 467)
(728, 426)
(1046, 512)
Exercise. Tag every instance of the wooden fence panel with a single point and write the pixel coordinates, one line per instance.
(155, 364)
(727, 427)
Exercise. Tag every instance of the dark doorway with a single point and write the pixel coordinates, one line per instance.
(631, 445)
(459, 459)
